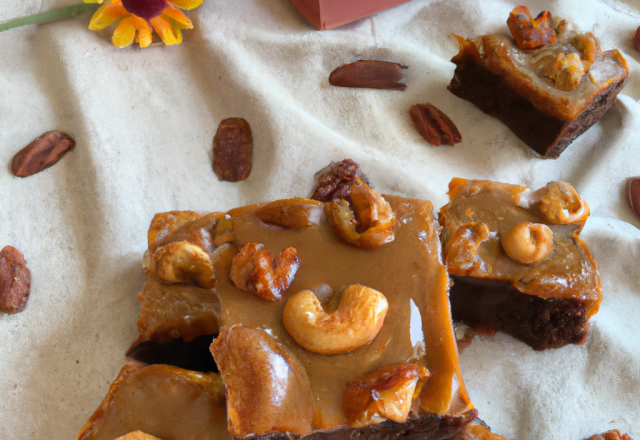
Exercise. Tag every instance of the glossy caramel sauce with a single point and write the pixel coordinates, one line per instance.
(167, 402)
(568, 272)
(406, 269)
(520, 69)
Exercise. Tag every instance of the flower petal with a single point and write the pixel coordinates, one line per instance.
(126, 30)
(107, 14)
(168, 33)
(177, 18)
(124, 33)
(186, 4)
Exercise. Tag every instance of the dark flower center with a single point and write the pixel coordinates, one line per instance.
(146, 9)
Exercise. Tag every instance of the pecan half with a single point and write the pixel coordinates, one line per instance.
(15, 280)
(232, 149)
(369, 74)
(333, 180)
(460, 253)
(434, 126)
(41, 153)
(634, 195)
(530, 33)
(385, 394)
(256, 270)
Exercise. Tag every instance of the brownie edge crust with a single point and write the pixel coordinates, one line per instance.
(428, 427)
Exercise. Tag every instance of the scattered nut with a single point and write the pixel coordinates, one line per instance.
(363, 218)
(560, 203)
(265, 384)
(434, 126)
(369, 74)
(614, 434)
(15, 280)
(356, 322)
(41, 153)
(294, 213)
(530, 33)
(460, 253)
(183, 262)
(528, 243)
(232, 149)
(255, 270)
(634, 195)
(333, 180)
(137, 435)
(385, 394)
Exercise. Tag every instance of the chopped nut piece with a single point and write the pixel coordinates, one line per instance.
(567, 71)
(385, 394)
(295, 213)
(355, 323)
(255, 270)
(363, 218)
(224, 231)
(232, 150)
(461, 250)
(434, 126)
(476, 431)
(41, 153)
(560, 203)
(369, 74)
(15, 280)
(265, 384)
(530, 33)
(137, 435)
(183, 262)
(528, 243)
(165, 223)
(333, 180)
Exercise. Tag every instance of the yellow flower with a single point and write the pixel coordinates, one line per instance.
(163, 15)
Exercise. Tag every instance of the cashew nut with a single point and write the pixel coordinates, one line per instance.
(265, 384)
(355, 323)
(385, 394)
(371, 222)
(528, 243)
(256, 270)
(295, 213)
(183, 262)
(561, 204)
(460, 253)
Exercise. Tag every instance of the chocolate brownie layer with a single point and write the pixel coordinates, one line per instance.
(546, 135)
(429, 427)
(540, 323)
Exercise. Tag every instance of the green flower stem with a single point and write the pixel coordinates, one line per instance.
(56, 14)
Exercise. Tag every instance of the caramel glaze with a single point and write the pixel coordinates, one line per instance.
(167, 402)
(569, 272)
(407, 268)
(517, 68)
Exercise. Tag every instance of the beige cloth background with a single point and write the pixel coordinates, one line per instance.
(144, 121)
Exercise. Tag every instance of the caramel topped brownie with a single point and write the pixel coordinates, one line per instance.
(341, 329)
(547, 81)
(518, 262)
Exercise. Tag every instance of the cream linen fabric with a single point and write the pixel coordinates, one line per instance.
(144, 120)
